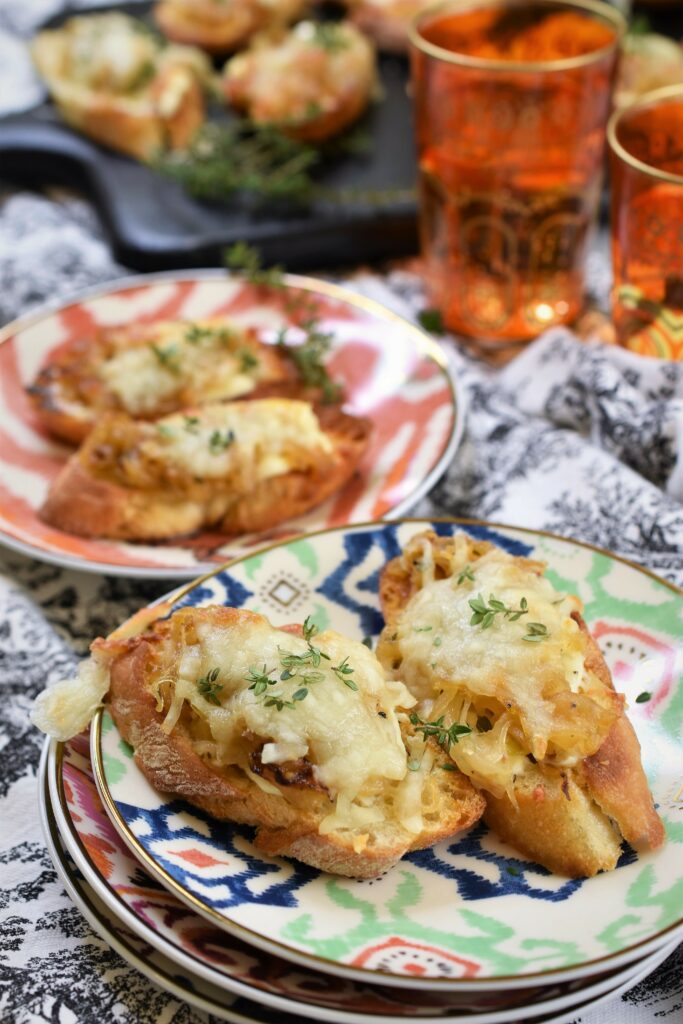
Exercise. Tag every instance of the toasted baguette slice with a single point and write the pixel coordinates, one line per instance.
(219, 26)
(235, 467)
(116, 83)
(187, 697)
(151, 370)
(556, 757)
(311, 82)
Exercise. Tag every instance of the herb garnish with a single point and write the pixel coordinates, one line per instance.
(168, 357)
(342, 671)
(192, 424)
(164, 430)
(308, 358)
(484, 615)
(330, 36)
(466, 574)
(422, 629)
(431, 320)
(209, 688)
(643, 697)
(196, 333)
(218, 442)
(536, 632)
(248, 361)
(445, 735)
(245, 260)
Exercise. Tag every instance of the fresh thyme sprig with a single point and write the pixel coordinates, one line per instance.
(240, 156)
(245, 260)
(484, 615)
(209, 688)
(445, 735)
(168, 357)
(330, 36)
(248, 361)
(343, 671)
(196, 333)
(218, 442)
(308, 358)
(536, 632)
(192, 424)
(466, 574)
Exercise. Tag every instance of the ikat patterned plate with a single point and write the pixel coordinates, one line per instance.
(164, 971)
(465, 914)
(391, 371)
(200, 947)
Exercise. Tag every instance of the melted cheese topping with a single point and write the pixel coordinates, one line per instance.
(205, 361)
(538, 696)
(108, 52)
(351, 737)
(240, 442)
(65, 709)
(298, 78)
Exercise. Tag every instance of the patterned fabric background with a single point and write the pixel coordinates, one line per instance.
(570, 437)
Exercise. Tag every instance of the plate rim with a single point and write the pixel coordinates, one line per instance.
(53, 771)
(426, 346)
(588, 968)
(48, 818)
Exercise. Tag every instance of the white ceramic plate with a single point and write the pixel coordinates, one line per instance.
(471, 913)
(164, 972)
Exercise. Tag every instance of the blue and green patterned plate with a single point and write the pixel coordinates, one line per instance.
(466, 913)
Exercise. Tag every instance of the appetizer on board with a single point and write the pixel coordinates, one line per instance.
(219, 26)
(311, 82)
(121, 85)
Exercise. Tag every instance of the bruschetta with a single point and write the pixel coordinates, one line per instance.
(233, 467)
(311, 83)
(219, 26)
(245, 721)
(117, 82)
(492, 651)
(150, 370)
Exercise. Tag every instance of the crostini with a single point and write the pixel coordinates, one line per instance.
(117, 82)
(298, 733)
(150, 370)
(311, 83)
(490, 649)
(219, 26)
(234, 467)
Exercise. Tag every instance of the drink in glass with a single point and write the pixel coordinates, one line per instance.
(511, 98)
(646, 144)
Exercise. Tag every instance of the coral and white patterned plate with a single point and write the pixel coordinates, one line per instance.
(463, 914)
(164, 971)
(391, 371)
(199, 947)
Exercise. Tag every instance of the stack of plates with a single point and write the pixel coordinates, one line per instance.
(465, 932)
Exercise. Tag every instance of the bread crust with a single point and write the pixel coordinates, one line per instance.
(171, 764)
(570, 820)
(69, 393)
(142, 127)
(89, 504)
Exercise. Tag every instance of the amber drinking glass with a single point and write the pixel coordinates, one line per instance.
(646, 143)
(512, 99)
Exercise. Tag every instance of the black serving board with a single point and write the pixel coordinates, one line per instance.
(153, 224)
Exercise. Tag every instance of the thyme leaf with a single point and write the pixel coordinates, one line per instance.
(445, 735)
(209, 688)
(484, 614)
(218, 442)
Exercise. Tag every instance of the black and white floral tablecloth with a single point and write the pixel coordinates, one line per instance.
(580, 439)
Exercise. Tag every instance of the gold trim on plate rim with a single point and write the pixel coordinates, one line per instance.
(309, 959)
(608, 14)
(427, 347)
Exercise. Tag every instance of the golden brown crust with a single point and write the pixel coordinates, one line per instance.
(209, 30)
(556, 823)
(141, 127)
(171, 764)
(87, 499)
(69, 392)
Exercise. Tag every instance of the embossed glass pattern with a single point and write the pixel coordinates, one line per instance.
(512, 98)
(646, 143)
